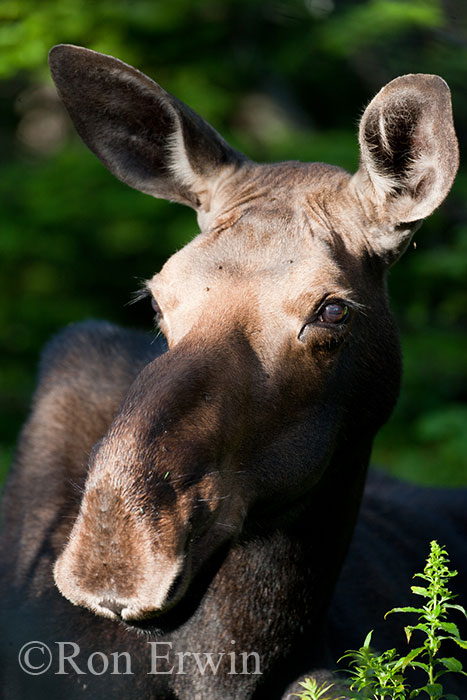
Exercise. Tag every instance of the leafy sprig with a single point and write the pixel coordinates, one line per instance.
(377, 676)
(433, 623)
(381, 676)
(315, 691)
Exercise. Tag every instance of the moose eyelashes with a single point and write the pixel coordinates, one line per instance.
(157, 310)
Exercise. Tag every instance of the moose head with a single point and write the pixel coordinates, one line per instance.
(283, 360)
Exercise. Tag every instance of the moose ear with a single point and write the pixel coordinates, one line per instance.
(408, 156)
(142, 134)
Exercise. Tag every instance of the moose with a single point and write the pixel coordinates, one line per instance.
(202, 497)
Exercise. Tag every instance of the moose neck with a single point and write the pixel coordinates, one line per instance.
(271, 594)
(320, 522)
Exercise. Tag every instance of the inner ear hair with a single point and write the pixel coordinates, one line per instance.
(409, 152)
(393, 150)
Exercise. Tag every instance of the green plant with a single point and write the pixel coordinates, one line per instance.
(377, 676)
(432, 621)
(315, 691)
(381, 676)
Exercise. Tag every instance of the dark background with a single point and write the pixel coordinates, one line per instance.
(280, 80)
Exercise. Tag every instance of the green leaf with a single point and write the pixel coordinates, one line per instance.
(366, 643)
(411, 656)
(456, 607)
(433, 690)
(418, 590)
(420, 664)
(451, 664)
(405, 610)
(450, 627)
(460, 642)
(422, 626)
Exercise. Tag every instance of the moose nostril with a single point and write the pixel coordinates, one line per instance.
(112, 605)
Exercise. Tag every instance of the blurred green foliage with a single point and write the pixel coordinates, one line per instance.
(281, 79)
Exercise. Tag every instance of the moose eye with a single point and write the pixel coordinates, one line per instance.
(334, 313)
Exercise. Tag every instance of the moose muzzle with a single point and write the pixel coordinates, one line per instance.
(162, 493)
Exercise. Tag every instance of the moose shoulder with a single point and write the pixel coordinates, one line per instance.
(195, 501)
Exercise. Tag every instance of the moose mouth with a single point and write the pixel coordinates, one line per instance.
(184, 598)
(110, 607)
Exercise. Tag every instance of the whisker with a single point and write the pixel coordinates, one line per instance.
(142, 293)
